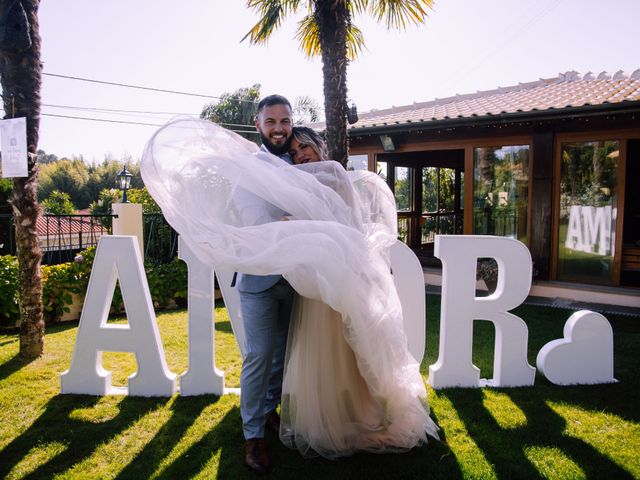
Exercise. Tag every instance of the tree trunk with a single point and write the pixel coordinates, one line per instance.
(333, 18)
(20, 74)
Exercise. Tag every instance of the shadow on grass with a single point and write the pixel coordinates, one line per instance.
(7, 342)
(14, 364)
(434, 460)
(224, 327)
(504, 448)
(61, 326)
(81, 438)
(222, 449)
(49, 328)
(224, 441)
(185, 411)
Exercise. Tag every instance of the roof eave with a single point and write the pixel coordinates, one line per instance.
(503, 118)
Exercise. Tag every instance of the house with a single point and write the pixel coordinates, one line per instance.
(554, 163)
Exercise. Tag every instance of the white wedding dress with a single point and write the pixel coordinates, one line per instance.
(350, 382)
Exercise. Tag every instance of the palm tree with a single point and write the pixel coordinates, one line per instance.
(236, 111)
(327, 30)
(20, 75)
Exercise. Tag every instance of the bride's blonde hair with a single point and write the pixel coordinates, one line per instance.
(310, 137)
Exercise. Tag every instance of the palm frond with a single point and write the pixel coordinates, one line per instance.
(271, 12)
(308, 34)
(355, 42)
(305, 110)
(399, 13)
(358, 6)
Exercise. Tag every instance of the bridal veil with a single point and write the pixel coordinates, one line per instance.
(334, 248)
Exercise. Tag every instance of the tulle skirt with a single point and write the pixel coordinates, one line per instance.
(327, 408)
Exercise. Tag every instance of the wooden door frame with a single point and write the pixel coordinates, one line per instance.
(622, 136)
(415, 170)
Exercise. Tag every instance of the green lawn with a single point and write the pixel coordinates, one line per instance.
(544, 431)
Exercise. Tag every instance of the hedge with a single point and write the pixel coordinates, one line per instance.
(167, 284)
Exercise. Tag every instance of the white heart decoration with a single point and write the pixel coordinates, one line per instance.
(583, 356)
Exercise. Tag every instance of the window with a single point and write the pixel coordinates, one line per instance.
(402, 189)
(440, 205)
(381, 170)
(358, 162)
(501, 190)
(587, 220)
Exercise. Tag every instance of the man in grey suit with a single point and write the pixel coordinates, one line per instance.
(265, 303)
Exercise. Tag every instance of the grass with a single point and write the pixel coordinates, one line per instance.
(544, 431)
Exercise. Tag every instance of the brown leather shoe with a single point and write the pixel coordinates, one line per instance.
(272, 422)
(256, 456)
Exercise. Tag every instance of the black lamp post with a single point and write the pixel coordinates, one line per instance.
(124, 179)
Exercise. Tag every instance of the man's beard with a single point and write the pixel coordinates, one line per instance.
(275, 149)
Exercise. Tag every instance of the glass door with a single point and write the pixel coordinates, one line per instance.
(428, 188)
(588, 211)
(404, 193)
(441, 202)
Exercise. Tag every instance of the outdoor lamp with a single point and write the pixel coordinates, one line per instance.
(352, 114)
(387, 143)
(124, 179)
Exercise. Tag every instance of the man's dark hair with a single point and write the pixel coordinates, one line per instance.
(273, 100)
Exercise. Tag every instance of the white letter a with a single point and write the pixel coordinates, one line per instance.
(118, 257)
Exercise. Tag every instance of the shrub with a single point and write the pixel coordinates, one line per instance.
(167, 283)
(58, 203)
(59, 282)
(9, 308)
(144, 198)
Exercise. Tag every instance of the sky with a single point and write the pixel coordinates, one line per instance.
(195, 46)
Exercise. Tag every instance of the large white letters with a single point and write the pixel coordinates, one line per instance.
(118, 257)
(460, 306)
(409, 281)
(202, 375)
(584, 355)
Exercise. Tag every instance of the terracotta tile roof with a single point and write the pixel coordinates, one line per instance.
(65, 225)
(569, 89)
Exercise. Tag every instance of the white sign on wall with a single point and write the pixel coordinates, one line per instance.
(590, 227)
(13, 133)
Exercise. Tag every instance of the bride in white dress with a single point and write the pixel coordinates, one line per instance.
(350, 383)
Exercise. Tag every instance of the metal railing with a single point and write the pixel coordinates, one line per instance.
(440, 223)
(61, 236)
(160, 239)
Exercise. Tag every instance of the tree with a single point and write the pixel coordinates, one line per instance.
(69, 176)
(58, 203)
(21, 78)
(144, 198)
(327, 30)
(105, 176)
(44, 157)
(236, 111)
(84, 182)
(102, 206)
